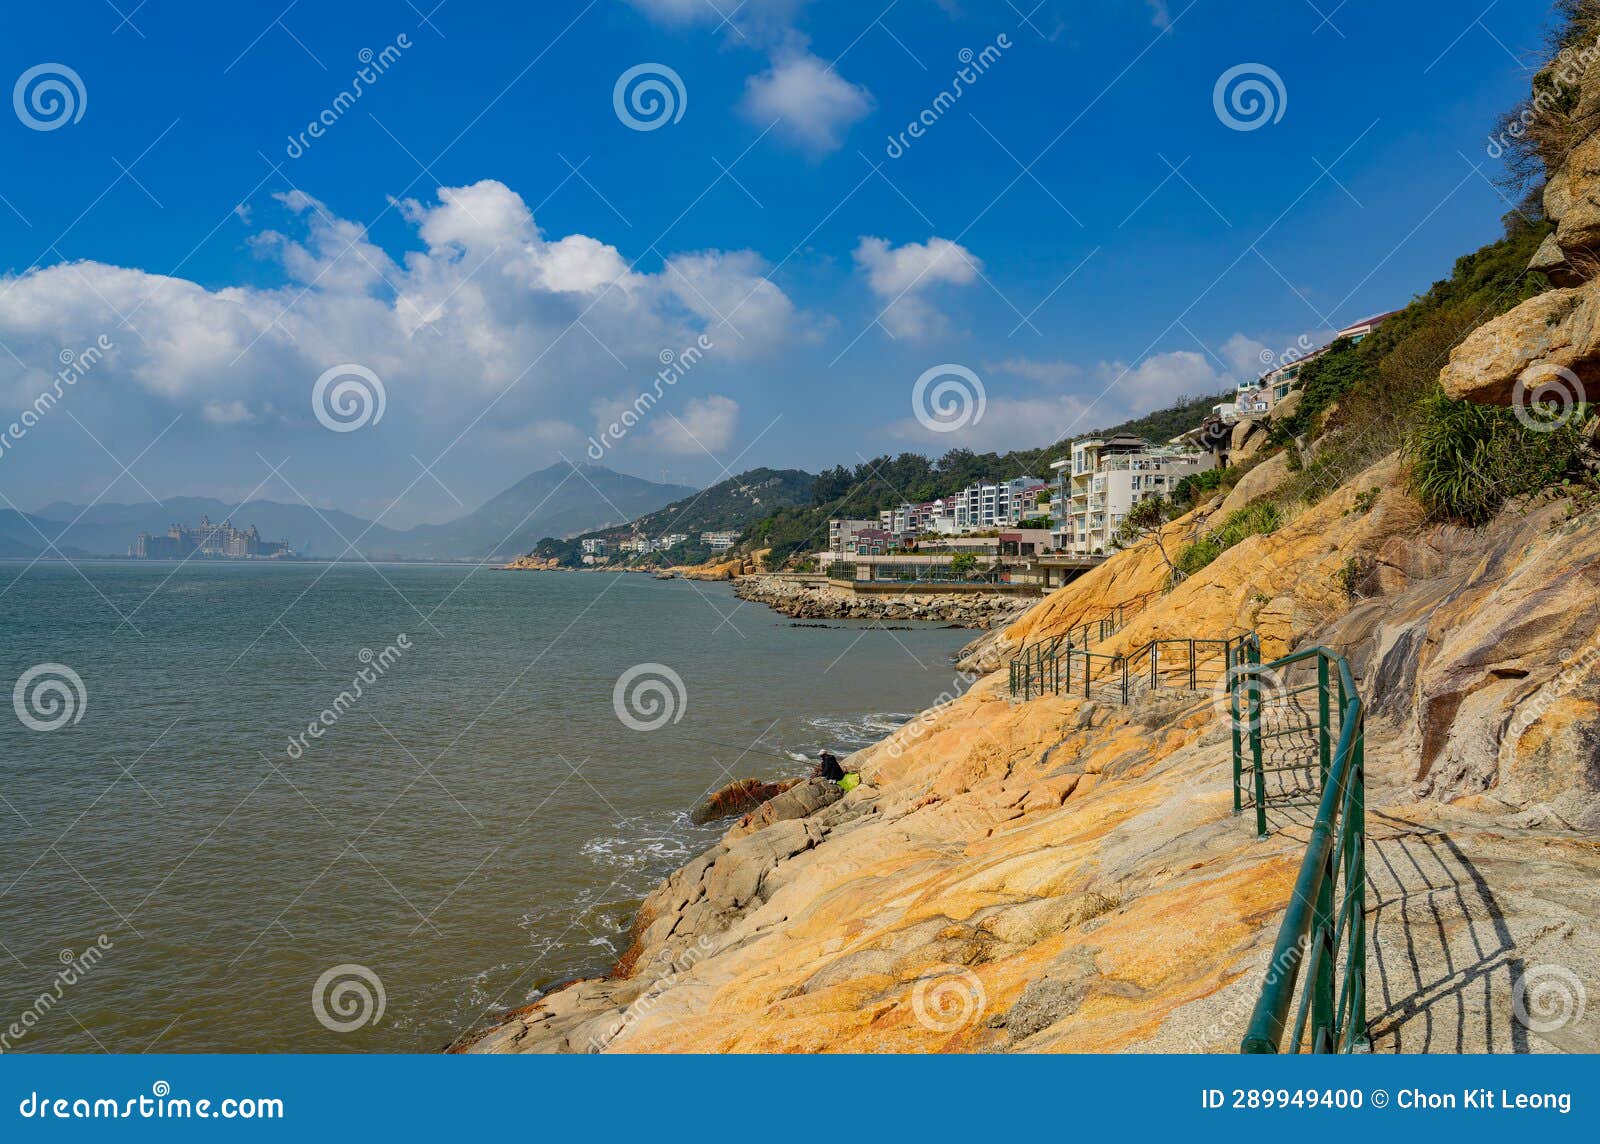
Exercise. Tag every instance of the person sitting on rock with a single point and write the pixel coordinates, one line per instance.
(829, 768)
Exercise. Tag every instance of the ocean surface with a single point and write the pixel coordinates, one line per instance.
(184, 867)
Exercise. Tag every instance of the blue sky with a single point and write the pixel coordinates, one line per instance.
(482, 232)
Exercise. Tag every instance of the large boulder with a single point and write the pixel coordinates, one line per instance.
(1557, 329)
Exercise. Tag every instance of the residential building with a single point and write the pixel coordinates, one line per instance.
(1104, 477)
(593, 546)
(719, 541)
(991, 504)
(841, 531)
(1259, 396)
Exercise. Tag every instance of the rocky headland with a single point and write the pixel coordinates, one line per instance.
(1068, 875)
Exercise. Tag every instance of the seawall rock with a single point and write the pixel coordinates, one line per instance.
(815, 600)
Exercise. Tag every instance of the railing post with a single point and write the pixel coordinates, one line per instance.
(1253, 701)
(1155, 651)
(1233, 718)
(1322, 936)
(1324, 743)
(1356, 885)
(1191, 665)
(1124, 679)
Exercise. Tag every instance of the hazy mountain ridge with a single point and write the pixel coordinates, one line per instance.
(562, 499)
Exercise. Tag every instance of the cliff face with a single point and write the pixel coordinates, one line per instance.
(1068, 875)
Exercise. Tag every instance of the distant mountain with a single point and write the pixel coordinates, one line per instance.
(561, 500)
(728, 506)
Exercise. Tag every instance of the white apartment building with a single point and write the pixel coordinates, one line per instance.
(1104, 478)
(719, 541)
(995, 504)
(593, 546)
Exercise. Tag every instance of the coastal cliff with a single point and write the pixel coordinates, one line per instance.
(1068, 875)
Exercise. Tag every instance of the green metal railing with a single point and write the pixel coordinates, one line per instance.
(1327, 913)
(1036, 670)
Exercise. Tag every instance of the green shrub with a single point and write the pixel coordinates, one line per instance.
(1468, 459)
(1255, 520)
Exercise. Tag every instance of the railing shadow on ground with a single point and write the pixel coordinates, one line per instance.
(1441, 981)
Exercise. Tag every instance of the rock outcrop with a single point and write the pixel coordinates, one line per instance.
(1066, 875)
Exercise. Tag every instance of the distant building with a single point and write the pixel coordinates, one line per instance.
(719, 541)
(1104, 478)
(1259, 396)
(216, 541)
(841, 532)
(593, 546)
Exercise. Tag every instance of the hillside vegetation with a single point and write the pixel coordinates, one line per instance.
(728, 506)
(887, 481)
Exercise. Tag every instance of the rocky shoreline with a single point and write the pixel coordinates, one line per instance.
(814, 600)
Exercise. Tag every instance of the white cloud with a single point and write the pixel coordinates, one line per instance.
(706, 424)
(1052, 372)
(1158, 381)
(761, 20)
(900, 274)
(814, 106)
(486, 305)
(1160, 14)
